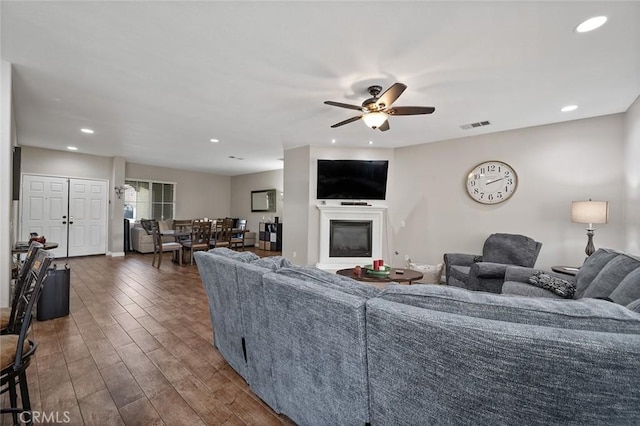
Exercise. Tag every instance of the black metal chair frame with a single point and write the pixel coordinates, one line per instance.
(14, 374)
(18, 288)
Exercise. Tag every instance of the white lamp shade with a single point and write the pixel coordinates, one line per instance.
(374, 119)
(589, 211)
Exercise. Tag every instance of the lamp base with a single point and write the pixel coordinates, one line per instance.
(590, 249)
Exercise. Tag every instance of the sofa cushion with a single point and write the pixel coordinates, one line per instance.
(510, 249)
(240, 256)
(611, 276)
(634, 306)
(588, 314)
(272, 262)
(628, 290)
(591, 267)
(335, 281)
(518, 288)
(460, 273)
(562, 288)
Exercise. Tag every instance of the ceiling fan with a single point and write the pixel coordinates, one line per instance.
(377, 109)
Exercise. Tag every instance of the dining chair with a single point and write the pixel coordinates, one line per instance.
(223, 235)
(182, 226)
(237, 239)
(8, 314)
(160, 247)
(17, 349)
(199, 238)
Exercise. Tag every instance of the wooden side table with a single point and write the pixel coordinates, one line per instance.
(398, 275)
(568, 270)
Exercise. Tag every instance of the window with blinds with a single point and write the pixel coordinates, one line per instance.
(149, 200)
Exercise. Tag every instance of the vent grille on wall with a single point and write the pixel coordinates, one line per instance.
(473, 125)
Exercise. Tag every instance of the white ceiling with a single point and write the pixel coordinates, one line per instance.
(157, 80)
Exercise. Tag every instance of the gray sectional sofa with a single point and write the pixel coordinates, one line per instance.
(606, 274)
(326, 349)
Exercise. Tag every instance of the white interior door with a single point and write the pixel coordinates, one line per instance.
(44, 207)
(71, 212)
(87, 217)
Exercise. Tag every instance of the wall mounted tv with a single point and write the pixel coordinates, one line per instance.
(352, 179)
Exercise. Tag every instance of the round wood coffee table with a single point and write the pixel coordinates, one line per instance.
(398, 275)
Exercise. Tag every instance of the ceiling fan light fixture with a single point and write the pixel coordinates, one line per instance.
(374, 119)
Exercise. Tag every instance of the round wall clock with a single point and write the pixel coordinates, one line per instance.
(492, 182)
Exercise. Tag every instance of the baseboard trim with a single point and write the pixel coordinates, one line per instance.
(116, 254)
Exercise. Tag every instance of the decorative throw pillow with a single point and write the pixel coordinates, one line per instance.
(147, 224)
(562, 288)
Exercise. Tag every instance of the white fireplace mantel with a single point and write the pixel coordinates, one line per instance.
(375, 214)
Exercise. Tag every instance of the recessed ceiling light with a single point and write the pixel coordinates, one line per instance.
(333, 141)
(370, 142)
(591, 24)
(87, 131)
(72, 148)
(569, 108)
(214, 140)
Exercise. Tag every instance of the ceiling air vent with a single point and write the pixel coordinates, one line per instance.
(473, 125)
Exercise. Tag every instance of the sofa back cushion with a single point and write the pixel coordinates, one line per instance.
(591, 267)
(318, 348)
(331, 280)
(611, 275)
(432, 367)
(634, 306)
(273, 263)
(240, 256)
(628, 290)
(588, 314)
(511, 249)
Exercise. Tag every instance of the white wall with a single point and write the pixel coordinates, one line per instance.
(295, 240)
(65, 163)
(197, 194)
(6, 150)
(631, 169)
(241, 187)
(555, 164)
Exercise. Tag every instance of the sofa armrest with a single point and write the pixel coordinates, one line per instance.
(488, 270)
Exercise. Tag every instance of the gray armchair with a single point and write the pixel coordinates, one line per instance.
(486, 272)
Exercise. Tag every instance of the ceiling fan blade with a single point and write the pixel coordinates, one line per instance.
(341, 105)
(350, 120)
(410, 110)
(384, 126)
(391, 94)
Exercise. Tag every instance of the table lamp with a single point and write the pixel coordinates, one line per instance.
(589, 212)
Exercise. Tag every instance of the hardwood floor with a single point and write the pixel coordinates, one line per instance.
(137, 350)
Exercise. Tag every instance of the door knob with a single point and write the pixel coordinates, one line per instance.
(64, 217)
(64, 222)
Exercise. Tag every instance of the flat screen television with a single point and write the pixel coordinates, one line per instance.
(352, 179)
